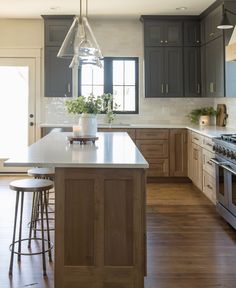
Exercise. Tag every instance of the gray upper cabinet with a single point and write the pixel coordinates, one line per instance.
(211, 23)
(192, 33)
(57, 75)
(163, 72)
(192, 71)
(163, 33)
(214, 61)
(56, 30)
(154, 72)
(174, 72)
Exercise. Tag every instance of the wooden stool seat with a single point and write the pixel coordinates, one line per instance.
(31, 185)
(48, 173)
(39, 188)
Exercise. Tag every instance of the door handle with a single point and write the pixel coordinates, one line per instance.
(229, 169)
(167, 88)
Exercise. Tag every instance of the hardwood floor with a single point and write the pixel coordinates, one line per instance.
(189, 245)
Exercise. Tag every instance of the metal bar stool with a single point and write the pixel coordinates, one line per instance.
(40, 173)
(35, 186)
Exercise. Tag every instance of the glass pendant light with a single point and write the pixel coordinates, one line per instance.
(80, 43)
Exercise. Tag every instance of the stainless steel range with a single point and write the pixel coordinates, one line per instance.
(225, 149)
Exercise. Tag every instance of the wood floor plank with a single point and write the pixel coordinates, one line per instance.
(189, 244)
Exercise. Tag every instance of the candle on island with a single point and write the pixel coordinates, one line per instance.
(76, 130)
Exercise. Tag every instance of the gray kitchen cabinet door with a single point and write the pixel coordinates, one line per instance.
(215, 84)
(154, 33)
(192, 33)
(58, 75)
(163, 33)
(219, 89)
(174, 72)
(173, 33)
(56, 30)
(211, 22)
(192, 71)
(203, 70)
(154, 72)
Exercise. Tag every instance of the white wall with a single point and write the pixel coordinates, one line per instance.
(116, 38)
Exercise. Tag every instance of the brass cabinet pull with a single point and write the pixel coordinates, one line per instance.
(68, 88)
(198, 88)
(162, 88)
(212, 87)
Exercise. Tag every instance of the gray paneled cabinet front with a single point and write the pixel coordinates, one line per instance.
(163, 72)
(57, 74)
(192, 71)
(163, 33)
(214, 61)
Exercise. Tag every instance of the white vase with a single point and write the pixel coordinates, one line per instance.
(88, 125)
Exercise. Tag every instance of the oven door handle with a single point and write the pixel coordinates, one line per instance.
(213, 160)
(229, 169)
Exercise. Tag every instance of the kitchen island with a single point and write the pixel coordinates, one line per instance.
(100, 209)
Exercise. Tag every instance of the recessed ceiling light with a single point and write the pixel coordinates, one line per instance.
(182, 8)
(55, 8)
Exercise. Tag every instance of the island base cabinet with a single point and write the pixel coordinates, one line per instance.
(100, 228)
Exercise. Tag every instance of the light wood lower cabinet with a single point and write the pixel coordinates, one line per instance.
(178, 152)
(196, 155)
(100, 228)
(154, 145)
(200, 169)
(209, 186)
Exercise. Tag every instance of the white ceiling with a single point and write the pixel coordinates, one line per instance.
(100, 8)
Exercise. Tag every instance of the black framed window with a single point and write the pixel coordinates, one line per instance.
(118, 76)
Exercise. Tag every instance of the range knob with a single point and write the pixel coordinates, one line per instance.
(233, 155)
(224, 151)
(228, 153)
(214, 148)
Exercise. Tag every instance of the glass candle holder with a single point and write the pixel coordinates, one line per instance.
(76, 130)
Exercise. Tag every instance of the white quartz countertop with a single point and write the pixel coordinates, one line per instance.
(209, 131)
(111, 150)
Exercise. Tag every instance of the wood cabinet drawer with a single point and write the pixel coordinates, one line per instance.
(161, 134)
(154, 148)
(158, 168)
(131, 132)
(209, 186)
(208, 144)
(197, 138)
(208, 166)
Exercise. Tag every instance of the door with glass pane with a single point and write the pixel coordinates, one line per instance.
(17, 109)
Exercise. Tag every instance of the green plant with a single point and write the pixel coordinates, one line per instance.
(93, 105)
(81, 104)
(109, 106)
(204, 111)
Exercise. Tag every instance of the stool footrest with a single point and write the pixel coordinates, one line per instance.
(31, 253)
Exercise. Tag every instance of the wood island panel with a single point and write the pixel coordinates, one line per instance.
(100, 228)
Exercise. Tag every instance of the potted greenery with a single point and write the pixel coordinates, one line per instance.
(88, 108)
(202, 115)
